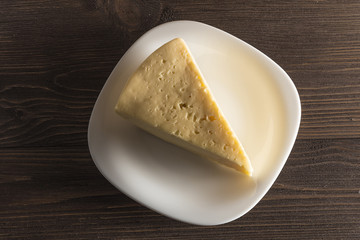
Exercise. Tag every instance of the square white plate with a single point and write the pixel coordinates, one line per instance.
(257, 97)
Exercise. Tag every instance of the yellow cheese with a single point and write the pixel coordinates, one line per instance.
(168, 97)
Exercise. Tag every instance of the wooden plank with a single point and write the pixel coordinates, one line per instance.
(58, 193)
(51, 74)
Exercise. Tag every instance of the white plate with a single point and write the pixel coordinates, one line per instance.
(257, 97)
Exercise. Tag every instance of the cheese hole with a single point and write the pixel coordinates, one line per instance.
(182, 89)
(160, 90)
(182, 105)
(211, 118)
(163, 61)
(196, 132)
(210, 132)
(188, 115)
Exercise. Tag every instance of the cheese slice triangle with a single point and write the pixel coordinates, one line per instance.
(168, 97)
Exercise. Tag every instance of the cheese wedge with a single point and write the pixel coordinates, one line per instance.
(168, 97)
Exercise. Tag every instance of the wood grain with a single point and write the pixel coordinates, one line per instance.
(62, 69)
(57, 193)
(55, 57)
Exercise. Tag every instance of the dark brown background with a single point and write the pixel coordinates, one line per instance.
(55, 57)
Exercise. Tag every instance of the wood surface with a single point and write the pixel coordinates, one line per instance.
(55, 57)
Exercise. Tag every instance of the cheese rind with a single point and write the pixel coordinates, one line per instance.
(168, 97)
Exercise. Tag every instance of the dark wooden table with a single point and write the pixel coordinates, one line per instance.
(55, 57)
